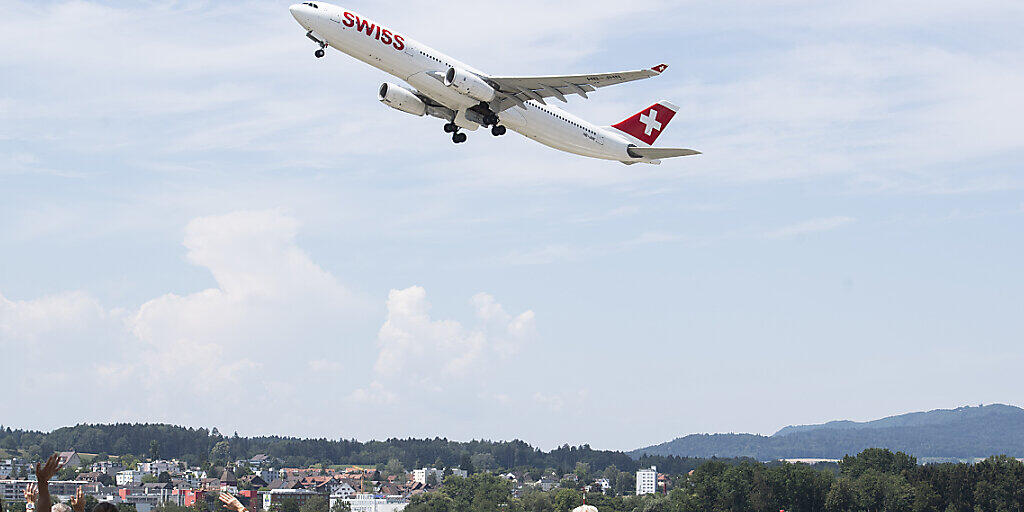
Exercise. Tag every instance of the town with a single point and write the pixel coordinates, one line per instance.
(261, 483)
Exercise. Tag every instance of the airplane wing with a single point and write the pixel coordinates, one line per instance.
(517, 89)
(660, 152)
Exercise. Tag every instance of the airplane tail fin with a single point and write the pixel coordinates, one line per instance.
(648, 124)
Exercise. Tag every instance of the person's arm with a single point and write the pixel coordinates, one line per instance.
(30, 496)
(232, 503)
(78, 500)
(43, 476)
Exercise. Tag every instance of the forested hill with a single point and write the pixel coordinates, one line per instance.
(200, 445)
(962, 433)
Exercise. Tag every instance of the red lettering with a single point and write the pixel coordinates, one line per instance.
(363, 25)
(378, 33)
(399, 42)
(349, 21)
(385, 36)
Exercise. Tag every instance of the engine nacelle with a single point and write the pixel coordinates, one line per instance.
(469, 84)
(400, 98)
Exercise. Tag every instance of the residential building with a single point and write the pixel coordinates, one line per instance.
(70, 459)
(129, 478)
(420, 475)
(187, 497)
(160, 466)
(12, 468)
(372, 503)
(108, 467)
(268, 475)
(647, 481)
(546, 483)
(261, 460)
(13, 491)
(251, 482)
(604, 484)
(276, 496)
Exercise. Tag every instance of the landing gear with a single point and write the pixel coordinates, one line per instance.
(498, 130)
(323, 44)
(490, 120)
(457, 136)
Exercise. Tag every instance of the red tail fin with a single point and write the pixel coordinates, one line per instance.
(648, 124)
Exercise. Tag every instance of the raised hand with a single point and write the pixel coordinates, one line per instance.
(232, 503)
(46, 472)
(78, 501)
(30, 493)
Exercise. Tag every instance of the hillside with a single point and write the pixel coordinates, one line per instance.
(200, 445)
(965, 432)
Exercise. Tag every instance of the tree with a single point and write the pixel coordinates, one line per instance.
(126, 507)
(286, 505)
(432, 480)
(881, 460)
(164, 477)
(840, 497)
(342, 506)
(220, 453)
(466, 464)
(315, 504)
(154, 450)
(394, 467)
(582, 471)
(484, 462)
(431, 502)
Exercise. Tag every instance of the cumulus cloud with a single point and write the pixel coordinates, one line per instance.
(418, 352)
(272, 314)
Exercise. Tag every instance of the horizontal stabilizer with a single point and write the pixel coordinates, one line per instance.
(660, 152)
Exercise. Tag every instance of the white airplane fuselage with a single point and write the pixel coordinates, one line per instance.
(421, 67)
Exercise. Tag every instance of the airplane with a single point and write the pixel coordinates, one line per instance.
(467, 98)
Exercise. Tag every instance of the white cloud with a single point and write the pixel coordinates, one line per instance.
(809, 226)
(271, 315)
(419, 353)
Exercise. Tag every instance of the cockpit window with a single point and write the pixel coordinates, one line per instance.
(311, 4)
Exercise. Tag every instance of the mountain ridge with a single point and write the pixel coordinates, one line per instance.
(960, 433)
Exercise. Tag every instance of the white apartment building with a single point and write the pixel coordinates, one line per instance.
(107, 467)
(129, 478)
(420, 475)
(160, 466)
(372, 503)
(13, 491)
(647, 481)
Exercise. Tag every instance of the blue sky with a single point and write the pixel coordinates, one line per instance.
(191, 203)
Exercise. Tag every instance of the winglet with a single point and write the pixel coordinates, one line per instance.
(660, 68)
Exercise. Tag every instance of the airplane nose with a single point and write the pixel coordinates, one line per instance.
(296, 10)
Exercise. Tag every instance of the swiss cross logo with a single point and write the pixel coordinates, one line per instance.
(651, 122)
(648, 124)
(660, 68)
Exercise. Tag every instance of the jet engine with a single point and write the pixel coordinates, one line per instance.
(469, 84)
(400, 98)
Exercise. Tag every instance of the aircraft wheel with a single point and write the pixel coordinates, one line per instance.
(491, 120)
(319, 53)
(451, 128)
(459, 138)
(498, 130)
